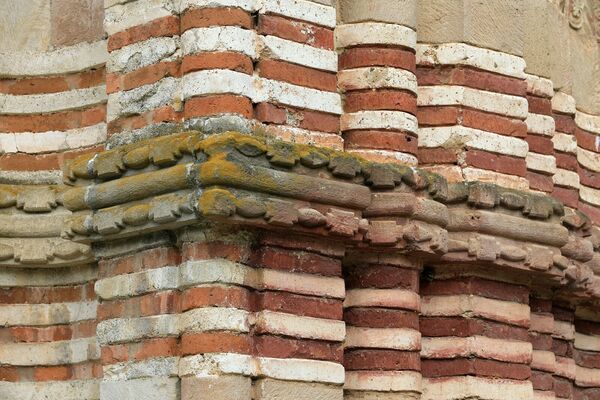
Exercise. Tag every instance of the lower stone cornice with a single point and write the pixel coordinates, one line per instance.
(252, 182)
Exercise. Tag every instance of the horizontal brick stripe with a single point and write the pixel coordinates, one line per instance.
(382, 277)
(222, 16)
(85, 370)
(477, 286)
(569, 196)
(297, 117)
(377, 57)
(297, 31)
(540, 144)
(566, 161)
(374, 317)
(141, 350)
(48, 294)
(40, 162)
(31, 334)
(217, 104)
(474, 366)
(539, 105)
(381, 140)
(217, 60)
(464, 327)
(295, 261)
(141, 261)
(297, 74)
(162, 114)
(381, 99)
(381, 360)
(59, 121)
(54, 84)
(142, 76)
(495, 162)
(165, 26)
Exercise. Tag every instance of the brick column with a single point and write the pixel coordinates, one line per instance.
(562, 346)
(376, 74)
(138, 320)
(475, 339)
(586, 353)
(381, 351)
(588, 148)
(543, 364)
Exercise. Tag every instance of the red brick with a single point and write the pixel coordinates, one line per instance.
(540, 181)
(437, 156)
(493, 123)
(372, 317)
(587, 140)
(114, 354)
(9, 374)
(278, 347)
(301, 118)
(161, 114)
(60, 121)
(463, 327)
(142, 76)
(266, 112)
(318, 121)
(377, 57)
(46, 295)
(383, 99)
(563, 312)
(209, 250)
(166, 26)
(477, 286)
(217, 60)
(297, 75)
(562, 348)
(297, 31)
(540, 144)
(141, 261)
(307, 306)
(438, 116)
(566, 161)
(540, 341)
(385, 360)
(496, 162)
(475, 366)
(218, 104)
(215, 342)
(563, 387)
(382, 277)
(212, 296)
(469, 77)
(158, 347)
(53, 373)
(587, 359)
(540, 305)
(587, 327)
(39, 162)
(539, 105)
(542, 380)
(590, 211)
(569, 196)
(381, 140)
(222, 16)
(78, 80)
(77, 330)
(564, 123)
(295, 261)
(305, 243)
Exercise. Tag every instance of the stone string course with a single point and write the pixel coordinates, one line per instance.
(300, 199)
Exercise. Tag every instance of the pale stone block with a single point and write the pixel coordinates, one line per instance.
(540, 124)
(52, 102)
(541, 163)
(467, 387)
(226, 387)
(218, 81)
(219, 271)
(566, 367)
(119, 17)
(508, 181)
(538, 38)
(374, 33)
(298, 96)
(589, 159)
(588, 122)
(476, 306)
(284, 324)
(383, 338)
(464, 54)
(543, 395)
(563, 177)
(143, 54)
(132, 329)
(401, 12)
(214, 319)
(379, 120)
(587, 377)
(219, 38)
(300, 9)
(298, 53)
(64, 390)
(142, 99)
(46, 314)
(76, 21)
(146, 388)
(564, 142)
(543, 361)
(270, 389)
(377, 78)
(460, 136)
(66, 60)
(138, 283)
(383, 381)
(26, 277)
(498, 103)
(25, 25)
(8, 143)
(391, 298)
(589, 195)
(538, 85)
(471, 21)
(563, 103)
(587, 342)
(542, 323)
(50, 353)
(476, 346)
(585, 71)
(153, 367)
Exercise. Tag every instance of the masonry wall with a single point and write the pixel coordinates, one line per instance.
(505, 93)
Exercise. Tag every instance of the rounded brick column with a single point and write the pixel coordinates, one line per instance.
(586, 353)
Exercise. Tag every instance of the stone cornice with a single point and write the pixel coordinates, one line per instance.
(173, 181)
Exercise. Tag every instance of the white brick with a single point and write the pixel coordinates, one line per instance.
(143, 54)
(541, 163)
(51, 102)
(299, 96)
(284, 324)
(374, 33)
(138, 283)
(539, 86)
(377, 78)
(540, 124)
(587, 377)
(543, 395)
(589, 159)
(41, 142)
(563, 177)
(564, 142)
(565, 367)
(221, 38)
(464, 54)
(383, 338)
(383, 381)
(542, 322)
(214, 319)
(63, 390)
(476, 346)
(298, 53)
(124, 16)
(65, 60)
(46, 314)
(49, 353)
(144, 98)
(379, 120)
(587, 342)
(218, 81)
(26, 277)
(589, 195)
(475, 306)
(132, 329)
(457, 136)
(503, 104)
(508, 181)
(467, 387)
(159, 388)
(163, 366)
(302, 283)
(389, 298)
(302, 10)
(588, 122)
(543, 361)
(563, 103)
